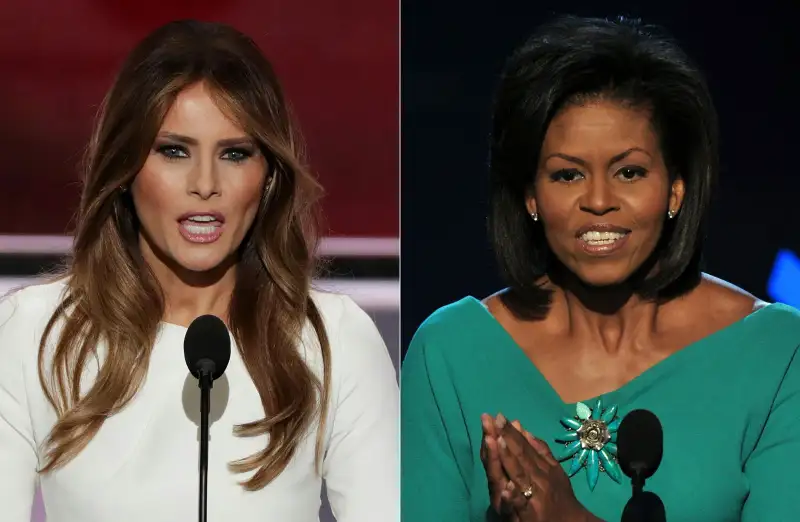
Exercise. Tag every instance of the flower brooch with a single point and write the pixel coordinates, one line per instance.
(590, 442)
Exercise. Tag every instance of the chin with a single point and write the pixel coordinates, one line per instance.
(602, 278)
(205, 262)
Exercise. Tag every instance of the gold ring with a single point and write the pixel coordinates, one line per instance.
(528, 493)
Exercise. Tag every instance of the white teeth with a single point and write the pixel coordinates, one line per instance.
(202, 219)
(595, 237)
(201, 225)
(200, 230)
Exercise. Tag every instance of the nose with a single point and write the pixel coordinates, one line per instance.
(599, 198)
(204, 180)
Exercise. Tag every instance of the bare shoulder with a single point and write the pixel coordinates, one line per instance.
(713, 305)
(725, 302)
(498, 309)
(494, 302)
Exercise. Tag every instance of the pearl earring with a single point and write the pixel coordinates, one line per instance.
(535, 216)
(671, 214)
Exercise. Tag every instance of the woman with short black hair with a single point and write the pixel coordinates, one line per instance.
(603, 160)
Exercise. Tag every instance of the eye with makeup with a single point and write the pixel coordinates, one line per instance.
(237, 154)
(174, 152)
(566, 175)
(171, 151)
(631, 174)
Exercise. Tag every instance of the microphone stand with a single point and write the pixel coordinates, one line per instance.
(642, 506)
(206, 382)
(637, 481)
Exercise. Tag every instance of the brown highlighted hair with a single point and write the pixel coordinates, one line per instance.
(113, 298)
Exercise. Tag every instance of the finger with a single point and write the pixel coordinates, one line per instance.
(495, 475)
(515, 440)
(539, 445)
(493, 465)
(542, 448)
(500, 422)
(513, 468)
(535, 468)
(484, 449)
(488, 424)
(514, 502)
(529, 437)
(518, 445)
(522, 449)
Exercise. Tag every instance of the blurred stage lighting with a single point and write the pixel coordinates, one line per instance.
(784, 281)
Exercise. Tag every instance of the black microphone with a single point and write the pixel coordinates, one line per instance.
(207, 350)
(644, 506)
(640, 447)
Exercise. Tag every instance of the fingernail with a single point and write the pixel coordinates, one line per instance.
(502, 442)
(500, 421)
(509, 486)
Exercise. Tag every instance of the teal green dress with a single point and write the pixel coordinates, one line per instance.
(729, 405)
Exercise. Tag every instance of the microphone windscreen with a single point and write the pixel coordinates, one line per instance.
(207, 338)
(644, 507)
(640, 443)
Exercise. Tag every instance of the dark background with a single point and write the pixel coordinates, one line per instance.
(452, 55)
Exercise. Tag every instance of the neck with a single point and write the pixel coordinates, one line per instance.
(613, 318)
(189, 294)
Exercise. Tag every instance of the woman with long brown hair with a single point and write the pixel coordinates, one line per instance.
(195, 201)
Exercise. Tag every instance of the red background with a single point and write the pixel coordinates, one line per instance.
(338, 61)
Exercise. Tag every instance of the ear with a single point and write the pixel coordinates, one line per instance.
(530, 200)
(676, 195)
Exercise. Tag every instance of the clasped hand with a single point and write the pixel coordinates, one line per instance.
(526, 482)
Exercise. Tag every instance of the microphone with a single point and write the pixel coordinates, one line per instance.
(640, 447)
(645, 506)
(207, 350)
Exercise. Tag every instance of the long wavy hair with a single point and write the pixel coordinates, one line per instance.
(113, 298)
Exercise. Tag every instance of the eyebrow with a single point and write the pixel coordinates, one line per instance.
(186, 140)
(580, 161)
